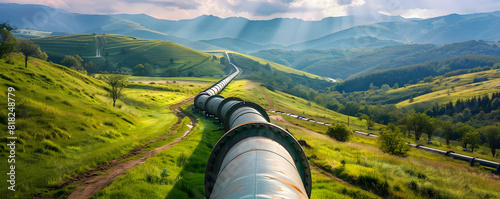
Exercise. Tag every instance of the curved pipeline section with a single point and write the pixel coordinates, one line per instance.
(255, 158)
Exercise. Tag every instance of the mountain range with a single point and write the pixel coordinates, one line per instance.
(215, 32)
(209, 32)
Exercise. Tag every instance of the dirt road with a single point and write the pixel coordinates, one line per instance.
(98, 178)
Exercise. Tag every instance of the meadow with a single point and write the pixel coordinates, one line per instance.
(119, 52)
(66, 123)
(446, 89)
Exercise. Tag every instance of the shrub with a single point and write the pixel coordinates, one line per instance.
(392, 141)
(340, 132)
(182, 160)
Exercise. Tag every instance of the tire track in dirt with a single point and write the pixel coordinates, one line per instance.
(271, 103)
(103, 175)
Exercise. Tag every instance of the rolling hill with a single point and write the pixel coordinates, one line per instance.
(123, 53)
(414, 73)
(446, 89)
(439, 30)
(351, 63)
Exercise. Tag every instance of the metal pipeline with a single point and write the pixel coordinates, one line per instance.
(255, 158)
(452, 154)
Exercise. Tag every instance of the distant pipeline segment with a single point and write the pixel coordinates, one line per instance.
(470, 160)
(254, 158)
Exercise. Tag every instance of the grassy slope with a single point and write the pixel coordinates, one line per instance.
(433, 174)
(129, 51)
(275, 65)
(462, 88)
(66, 124)
(365, 172)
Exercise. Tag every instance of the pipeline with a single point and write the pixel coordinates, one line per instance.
(254, 158)
(470, 160)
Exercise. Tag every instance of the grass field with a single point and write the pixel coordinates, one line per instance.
(66, 123)
(274, 65)
(355, 169)
(125, 52)
(369, 173)
(456, 87)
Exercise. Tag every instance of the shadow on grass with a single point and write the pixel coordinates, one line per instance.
(191, 178)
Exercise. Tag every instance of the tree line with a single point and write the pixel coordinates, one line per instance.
(412, 74)
(9, 44)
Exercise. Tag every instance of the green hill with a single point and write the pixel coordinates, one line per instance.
(448, 89)
(277, 66)
(65, 122)
(123, 53)
(414, 73)
(351, 63)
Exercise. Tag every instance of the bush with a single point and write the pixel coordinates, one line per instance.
(340, 132)
(392, 142)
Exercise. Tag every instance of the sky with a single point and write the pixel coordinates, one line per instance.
(269, 9)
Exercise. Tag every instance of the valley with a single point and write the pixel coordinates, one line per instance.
(117, 104)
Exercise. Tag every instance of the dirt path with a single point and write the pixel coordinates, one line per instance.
(98, 178)
(98, 43)
(281, 119)
(271, 104)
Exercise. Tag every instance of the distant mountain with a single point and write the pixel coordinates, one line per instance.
(414, 73)
(440, 30)
(209, 32)
(281, 31)
(61, 22)
(239, 45)
(347, 42)
(349, 63)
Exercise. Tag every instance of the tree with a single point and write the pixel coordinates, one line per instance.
(351, 108)
(340, 132)
(28, 48)
(396, 86)
(447, 128)
(429, 128)
(6, 26)
(373, 87)
(417, 122)
(90, 67)
(473, 139)
(171, 60)
(428, 79)
(9, 42)
(117, 83)
(392, 141)
(492, 134)
(369, 123)
(385, 87)
(461, 131)
(74, 62)
(495, 104)
(467, 114)
(143, 70)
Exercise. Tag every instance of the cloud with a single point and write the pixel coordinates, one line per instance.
(344, 2)
(268, 9)
(183, 4)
